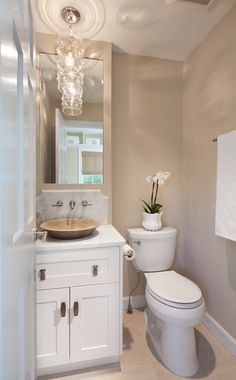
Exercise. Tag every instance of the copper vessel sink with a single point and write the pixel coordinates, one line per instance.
(69, 228)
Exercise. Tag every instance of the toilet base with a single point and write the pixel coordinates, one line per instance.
(175, 345)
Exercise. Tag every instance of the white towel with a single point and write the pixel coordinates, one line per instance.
(225, 221)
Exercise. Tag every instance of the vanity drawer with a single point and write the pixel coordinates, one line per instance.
(77, 268)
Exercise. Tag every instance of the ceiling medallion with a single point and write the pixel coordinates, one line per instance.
(92, 15)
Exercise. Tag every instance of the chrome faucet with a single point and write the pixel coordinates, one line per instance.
(72, 204)
(58, 204)
(85, 203)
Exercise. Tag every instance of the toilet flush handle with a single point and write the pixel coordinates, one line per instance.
(137, 242)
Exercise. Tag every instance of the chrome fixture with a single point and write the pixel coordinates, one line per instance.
(63, 309)
(85, 203)
(76, 308)
(38, 234)
(58, 204)
(138, 242)
(70, 15)
(70, 55)
(72, 204)
(95, 270)
(42, 274)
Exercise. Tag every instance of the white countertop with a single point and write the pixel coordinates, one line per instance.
(104, 236)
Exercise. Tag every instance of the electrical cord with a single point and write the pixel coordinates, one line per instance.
(130, 309)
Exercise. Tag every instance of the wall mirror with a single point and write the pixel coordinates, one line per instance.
(93, 130)
(71, 148)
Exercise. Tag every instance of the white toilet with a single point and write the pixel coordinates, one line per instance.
(174, 303)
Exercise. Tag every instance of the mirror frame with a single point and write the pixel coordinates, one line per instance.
(46, 43)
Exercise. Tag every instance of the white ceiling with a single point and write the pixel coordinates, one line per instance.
(158, 28)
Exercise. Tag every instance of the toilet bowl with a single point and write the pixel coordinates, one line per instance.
(171, 320)
(174, 303)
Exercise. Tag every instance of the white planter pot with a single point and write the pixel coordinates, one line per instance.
(152, 222)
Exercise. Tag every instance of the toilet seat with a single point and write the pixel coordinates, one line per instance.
(172, 289)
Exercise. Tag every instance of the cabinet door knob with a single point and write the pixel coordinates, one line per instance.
(63, 309)
(95, 270)
(42, 274)
(76, 308)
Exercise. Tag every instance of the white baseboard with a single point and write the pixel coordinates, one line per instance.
(87, 364)
(220, 333)
(136, 302)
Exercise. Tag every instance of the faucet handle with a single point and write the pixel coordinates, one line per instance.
(58, 204)
(85, 203)
(72, 204)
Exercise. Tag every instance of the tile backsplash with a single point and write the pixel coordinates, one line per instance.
(98, 209)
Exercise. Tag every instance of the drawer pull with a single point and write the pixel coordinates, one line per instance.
(95, 270)
(76, 309)
(63, 309)
(42, 274)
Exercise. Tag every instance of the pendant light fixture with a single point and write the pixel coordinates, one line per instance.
(70, 74)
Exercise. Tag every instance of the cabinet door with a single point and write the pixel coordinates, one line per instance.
(52, 327)
(95, 322)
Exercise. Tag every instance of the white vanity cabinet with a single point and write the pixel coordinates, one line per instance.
(94, 331)
(52, 329)
(79, 302)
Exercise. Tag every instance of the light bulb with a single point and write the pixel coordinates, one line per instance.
(69, 60)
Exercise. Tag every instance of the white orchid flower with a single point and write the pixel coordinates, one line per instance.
(152, 179)
(149, 179)
(154, 207)
(162, 177)
(155, 178)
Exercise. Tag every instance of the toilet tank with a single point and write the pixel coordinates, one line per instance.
(154, 250)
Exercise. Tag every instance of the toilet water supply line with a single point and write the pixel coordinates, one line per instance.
(130, 309)
(129, 255)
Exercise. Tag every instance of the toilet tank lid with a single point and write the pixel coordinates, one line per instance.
(141, 233)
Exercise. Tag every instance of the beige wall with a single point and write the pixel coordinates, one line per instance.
(146, 137)
(209, 110)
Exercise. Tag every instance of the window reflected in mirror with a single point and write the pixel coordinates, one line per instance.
(71, 148)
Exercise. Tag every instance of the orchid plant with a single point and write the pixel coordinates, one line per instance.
(156, 180)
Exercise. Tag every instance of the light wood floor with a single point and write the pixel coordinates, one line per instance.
(139, 362)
